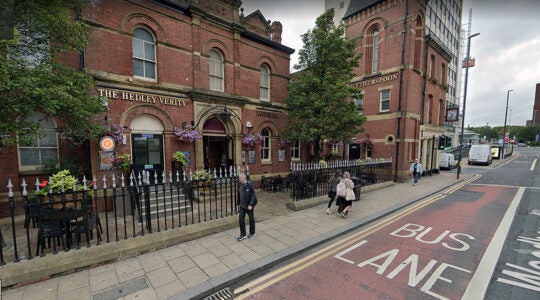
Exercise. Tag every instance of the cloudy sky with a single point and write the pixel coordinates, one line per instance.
(507, 52)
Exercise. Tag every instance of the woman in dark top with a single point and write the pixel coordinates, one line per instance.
(333, 181)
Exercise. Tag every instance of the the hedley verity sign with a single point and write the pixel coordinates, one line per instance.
(142, 97)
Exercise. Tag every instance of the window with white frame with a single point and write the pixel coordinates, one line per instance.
(216, 71)
(359, 102)
(43, 150)
(375, 57)
(295, 150)
(265, 83)
(385, 100)
(144, 54)
(266, 134)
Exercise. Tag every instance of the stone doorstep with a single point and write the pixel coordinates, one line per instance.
(307, 203)
(42, 268)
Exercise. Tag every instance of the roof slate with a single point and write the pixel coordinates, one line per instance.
(359, 5)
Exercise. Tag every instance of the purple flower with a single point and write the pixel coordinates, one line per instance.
(187, 134)
(251, 139)
(115, 131)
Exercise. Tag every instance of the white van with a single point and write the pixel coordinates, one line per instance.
(447, 161)
(480, 154)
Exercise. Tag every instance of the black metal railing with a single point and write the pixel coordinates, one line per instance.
(111, 209)
(309, 180)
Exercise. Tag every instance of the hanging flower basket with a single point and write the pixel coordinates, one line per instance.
(252, 139)
(122, 162)
(116, 132)
(187, 134)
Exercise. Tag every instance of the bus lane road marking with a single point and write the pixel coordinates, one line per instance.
(480, 280)
(343, 246)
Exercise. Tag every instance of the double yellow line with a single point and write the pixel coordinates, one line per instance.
(292, 268)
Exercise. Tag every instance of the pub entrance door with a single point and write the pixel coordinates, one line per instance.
(216, 152)
(147, 149)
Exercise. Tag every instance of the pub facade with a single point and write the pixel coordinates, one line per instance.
(196, 77)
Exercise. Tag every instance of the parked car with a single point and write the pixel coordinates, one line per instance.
(480, 154)
(447, 161)
(522, 145)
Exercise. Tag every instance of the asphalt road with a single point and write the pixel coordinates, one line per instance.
(478, 240)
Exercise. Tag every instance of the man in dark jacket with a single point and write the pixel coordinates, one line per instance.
(246, 204)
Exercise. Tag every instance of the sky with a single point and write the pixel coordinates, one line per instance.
(507, 52)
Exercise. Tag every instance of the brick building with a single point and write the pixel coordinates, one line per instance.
(160, 65)
(404, 77)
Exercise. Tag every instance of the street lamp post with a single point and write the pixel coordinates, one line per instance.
(505, 116)
(464, 102)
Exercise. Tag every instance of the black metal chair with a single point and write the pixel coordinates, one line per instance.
(278, 183)
(50, 228)
(86, 226)
(266, 183)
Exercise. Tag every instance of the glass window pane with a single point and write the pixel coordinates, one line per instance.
(154, 157)
(143, 35)
(138, 68)
(49, 156)
(47, 138)
(149, 70)
(29, 157)
(149, 52)
(137, 46)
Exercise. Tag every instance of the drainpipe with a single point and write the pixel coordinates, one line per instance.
(400, 96)
(424, 82)
(82, 63)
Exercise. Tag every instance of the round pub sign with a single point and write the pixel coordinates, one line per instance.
(106, 143)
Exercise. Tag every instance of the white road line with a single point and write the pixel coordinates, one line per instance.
(480, 280)
(533, 164)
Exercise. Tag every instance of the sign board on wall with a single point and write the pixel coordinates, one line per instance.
(107, 143)
(106, 159)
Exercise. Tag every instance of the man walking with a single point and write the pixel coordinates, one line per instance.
(246, 205)
(416, 171)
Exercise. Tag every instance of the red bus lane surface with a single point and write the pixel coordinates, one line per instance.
(431, 252)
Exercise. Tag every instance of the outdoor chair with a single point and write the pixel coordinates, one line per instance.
(86, 226)
(50, 228)
(266, 183)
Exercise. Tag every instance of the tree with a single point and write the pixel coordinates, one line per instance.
(319, 101)
(528, 133)
(33, 78)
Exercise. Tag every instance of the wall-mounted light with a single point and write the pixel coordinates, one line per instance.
(249, 126)
(124, 139)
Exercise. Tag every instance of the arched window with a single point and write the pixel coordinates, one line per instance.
(144, 54)
(43, 150)
(443, 74)
(264, 85)
(372, 50)
(216, 71)
(418, 42)
(266, 150)
(375, 59)
(432, 67)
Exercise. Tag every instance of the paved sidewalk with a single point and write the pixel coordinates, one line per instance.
(190, 270)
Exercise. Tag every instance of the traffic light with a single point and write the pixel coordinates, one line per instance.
(442, 142)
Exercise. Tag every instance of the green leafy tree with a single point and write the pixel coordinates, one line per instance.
(33, 78)
(319, 101)
(527, 133)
